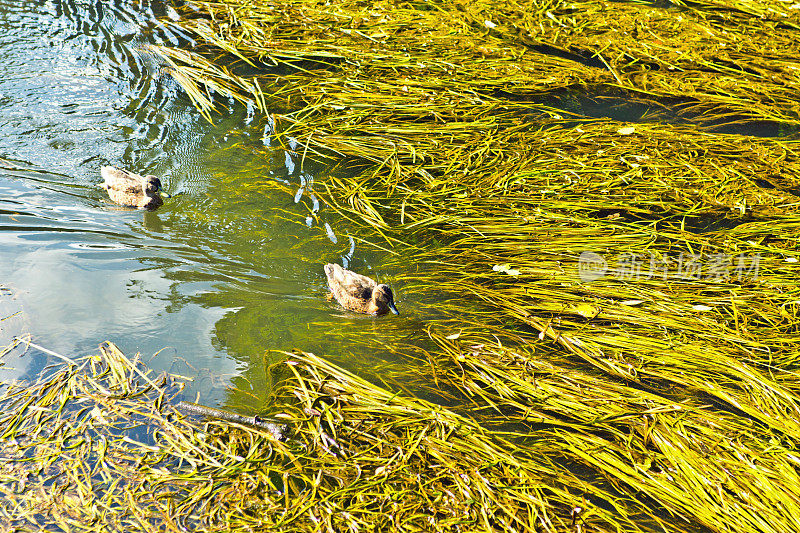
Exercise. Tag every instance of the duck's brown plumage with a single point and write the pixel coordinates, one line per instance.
(359, 293)
(133, 190)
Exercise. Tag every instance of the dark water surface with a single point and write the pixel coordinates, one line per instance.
(203, 286)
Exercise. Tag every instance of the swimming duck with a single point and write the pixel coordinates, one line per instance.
(359, 293)
(133, 190)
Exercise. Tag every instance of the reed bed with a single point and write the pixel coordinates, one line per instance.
(655, 391)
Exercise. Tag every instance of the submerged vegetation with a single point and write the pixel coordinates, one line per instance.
(603, 199)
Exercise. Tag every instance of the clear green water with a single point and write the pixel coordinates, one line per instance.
(230, 267)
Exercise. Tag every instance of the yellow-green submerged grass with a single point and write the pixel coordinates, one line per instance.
(672, 385)
(656, 392)
(99, 446)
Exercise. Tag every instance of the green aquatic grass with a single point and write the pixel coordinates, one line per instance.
(679, 392)
(112, 452)
(459, 144)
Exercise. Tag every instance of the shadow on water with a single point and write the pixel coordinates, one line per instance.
(602, 102)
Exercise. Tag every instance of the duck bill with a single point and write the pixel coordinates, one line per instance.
(164, 193)
(393, 309)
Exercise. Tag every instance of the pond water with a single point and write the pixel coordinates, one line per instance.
(228, 268)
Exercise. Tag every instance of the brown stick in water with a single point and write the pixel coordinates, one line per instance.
(277, 430)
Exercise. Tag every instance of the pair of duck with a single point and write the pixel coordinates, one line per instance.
(353, 291)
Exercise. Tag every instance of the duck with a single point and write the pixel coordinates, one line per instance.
(130, 189)
(359, 293)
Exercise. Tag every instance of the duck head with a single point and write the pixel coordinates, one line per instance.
(384, 298)
(153, 185)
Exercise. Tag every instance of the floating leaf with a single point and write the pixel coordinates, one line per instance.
(587, 310)
(506, 267)
(98, 416)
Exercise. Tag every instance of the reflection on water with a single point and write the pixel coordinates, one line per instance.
(206, 284)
